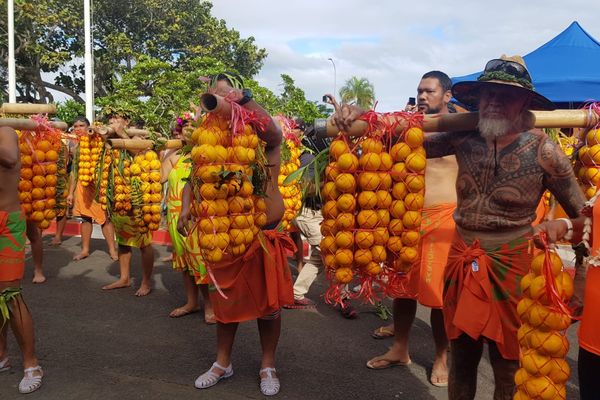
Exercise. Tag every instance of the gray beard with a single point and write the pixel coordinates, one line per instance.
(492, 128)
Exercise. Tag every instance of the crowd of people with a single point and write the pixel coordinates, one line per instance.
(483, 191)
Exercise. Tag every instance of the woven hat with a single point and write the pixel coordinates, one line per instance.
(502, 72)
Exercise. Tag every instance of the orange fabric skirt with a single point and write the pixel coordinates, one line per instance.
(12, 246)
(86, 206)
(255, 284)
(589, 330)
(426, 276)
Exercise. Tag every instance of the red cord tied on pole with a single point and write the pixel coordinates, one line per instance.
(545, 317)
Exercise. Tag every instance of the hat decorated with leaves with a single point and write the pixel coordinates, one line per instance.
(507, 72)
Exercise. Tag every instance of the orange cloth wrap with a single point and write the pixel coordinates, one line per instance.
(589, 331)
(12, 246)
(426, 276)
(86, 206)
(481, 292)
(256, 284)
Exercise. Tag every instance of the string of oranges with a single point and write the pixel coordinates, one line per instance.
(290, 160)
(146, 180)
(90, 149)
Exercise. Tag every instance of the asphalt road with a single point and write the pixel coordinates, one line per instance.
(112, 345)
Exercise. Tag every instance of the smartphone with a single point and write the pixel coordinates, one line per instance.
(411, 101)
(325, 99)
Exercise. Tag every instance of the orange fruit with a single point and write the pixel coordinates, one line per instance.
(414, 137)
(44, 224)
(372, 268)
(344, 239)
(51, 180)
(385, 181)
(384, 217)
(343, 275)
(521, 376)
(537, 288)
(24, 148)
(25, 185)
(364, 239)
(368, 181)
(396, 227)
(381, 236)
(346, 203)
(328, 245)
(337, 148)
(329, 191)
(329, 209)
(552, 344)
(347, 162)
(329, 227)
(37, 216)
(39, 156)
(344, 257)
(38, 181)
(590, 191)
(564, 285)
(593, 154)
(26, 207)
(26, 173)
(345, 221)
(395, 244)
(397, 209)
(386, 162)
(414, 201)
(535, 363)
(362, 257)
(367, 219)
(555, 263)
(50, 192)
(26, 160)
(400, 151)
(38, 193)
(411, 238)
(559, 371)
(367, 200)
(526, 283)
(399, 191)
(415, 183)
(592, 175)
(581, 173)
(371, 145)
(52, 169)
(331, 171)
(51, 156)
(411, 220)
(384, 199)
(409, 254)
(43, 145)
(593, 137)
(370, 162)
(399, 172)
(345, 183)
(415, 162)
(379, 253)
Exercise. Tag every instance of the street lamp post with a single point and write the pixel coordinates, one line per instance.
(334, 78)
(12, 79)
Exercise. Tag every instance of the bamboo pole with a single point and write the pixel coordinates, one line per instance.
(27, 108)
(28, 124)
(142, 144)
(468, 121)
(105, 130)
(215, 103)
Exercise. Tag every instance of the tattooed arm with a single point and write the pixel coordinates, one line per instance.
(438, 144)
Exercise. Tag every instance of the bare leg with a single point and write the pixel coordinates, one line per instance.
(35, 239)
(86, 237)
(108, 230)
(191, 291)
(209, 313)
(404, 315)
(225, 338)
(147, 266)
(124, 266)
(269, 330)
(439, 372)
(504, 373)
(61, 222)
(465, 356)
(3, 341)
(22, 326)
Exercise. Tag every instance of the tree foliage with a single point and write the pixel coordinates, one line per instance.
(359, 91)
(49, 42)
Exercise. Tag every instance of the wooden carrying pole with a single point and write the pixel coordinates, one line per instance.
(129, 132)
(215, 103)
(468, 121)
(28, 124)
(142, 144)
(27, 108)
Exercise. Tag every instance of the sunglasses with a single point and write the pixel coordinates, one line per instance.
(510, 67)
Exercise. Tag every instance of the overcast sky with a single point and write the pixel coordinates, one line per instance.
(392, 43)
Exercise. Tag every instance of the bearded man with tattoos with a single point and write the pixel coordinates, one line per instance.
(504, 167)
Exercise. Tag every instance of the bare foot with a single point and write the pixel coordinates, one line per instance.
(38, 277)
(389, 359)
(117, 285)
(209, 315)
(183, 311)
(143, 290)
(81, 256)
(439, 374)
(114, 255)
(55, 242)
(167, 258)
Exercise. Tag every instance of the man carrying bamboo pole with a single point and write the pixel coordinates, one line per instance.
(13, 310)
(504, 168)
(426, 277)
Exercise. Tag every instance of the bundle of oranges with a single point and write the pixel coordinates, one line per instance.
(373, 196)
(122, 183)
(90, 149)
(105, 175)
(146, 180)
(37, 186)
(291, 149)
(228, 214)
(588, 172)
(544, 370)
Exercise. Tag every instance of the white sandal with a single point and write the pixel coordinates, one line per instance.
(210, 378)
(4, 364)
(31, 383)
(269, 386)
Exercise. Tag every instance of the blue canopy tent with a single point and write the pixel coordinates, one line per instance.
(565, 69)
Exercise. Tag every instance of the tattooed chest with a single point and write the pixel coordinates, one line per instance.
(498, 188)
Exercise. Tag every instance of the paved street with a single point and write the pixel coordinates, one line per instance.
(112, 345)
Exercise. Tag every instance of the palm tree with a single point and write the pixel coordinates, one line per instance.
(359, 91)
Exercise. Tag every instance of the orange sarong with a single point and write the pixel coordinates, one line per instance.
(481, 292)
(86, 206)
(589, 330)
(426, 276)
(256, 284)
(12, 246)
